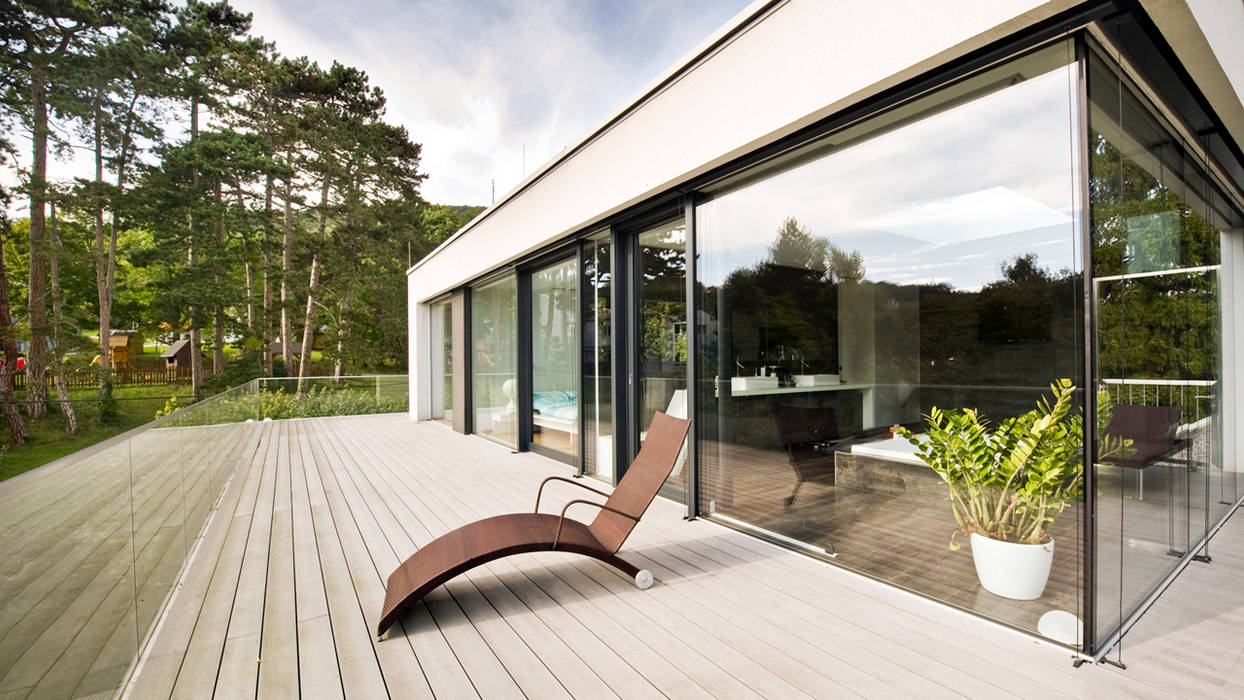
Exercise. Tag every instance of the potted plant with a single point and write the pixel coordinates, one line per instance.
(1008, 484)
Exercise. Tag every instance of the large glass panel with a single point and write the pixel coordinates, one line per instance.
(442, 370)
(662, 333)
(555, 358)
(597, 359)
(1157, 225)
(926, 258)
(494, 333)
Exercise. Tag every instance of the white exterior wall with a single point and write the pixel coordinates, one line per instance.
(1208, 38)
(805, 60)
(418, 318)
(794, 65)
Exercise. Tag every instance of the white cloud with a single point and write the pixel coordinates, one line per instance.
(493, 90)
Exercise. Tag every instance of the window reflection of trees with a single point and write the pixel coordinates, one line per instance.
(1163, 326)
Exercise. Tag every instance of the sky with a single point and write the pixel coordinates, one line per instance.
(491, 89)
(494, 89)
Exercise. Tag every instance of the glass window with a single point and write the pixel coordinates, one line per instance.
(555, 358)
(926, 258)
(494, 384)
(442, 370)
(598, 358)
(1158, 225)
(662, 334)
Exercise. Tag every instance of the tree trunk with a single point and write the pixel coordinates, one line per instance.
(106, 258)
(36, 389)
(58, 367)
(308, 326)
(339, 363)
(105, 305)
(267, 277)
(17, 426)
(250, 298)
(196, 339)
(287, 255)
(218, 311)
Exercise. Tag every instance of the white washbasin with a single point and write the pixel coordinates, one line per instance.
(752, 383)
(816, 379)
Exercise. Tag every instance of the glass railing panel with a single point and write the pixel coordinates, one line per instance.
(91, 546)
(163, 482)
(1157, 288)
(67, 593)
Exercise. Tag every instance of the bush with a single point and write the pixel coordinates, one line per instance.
(324, 401)
(318, 402)
(241, 370)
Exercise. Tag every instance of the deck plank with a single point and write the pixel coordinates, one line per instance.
(317, 658)
(239, 663)
(278, 649)
(356, 657)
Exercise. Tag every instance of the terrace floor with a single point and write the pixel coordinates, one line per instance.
(285, 591)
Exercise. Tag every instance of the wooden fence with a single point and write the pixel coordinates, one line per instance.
(121, 376)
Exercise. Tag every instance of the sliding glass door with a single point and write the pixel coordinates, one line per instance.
(441, 356)
(924, 259)
(597, 381)
(1158, 230)
(494, 359)
(554, 331)
(660, 331)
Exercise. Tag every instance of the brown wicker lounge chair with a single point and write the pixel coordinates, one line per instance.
(492, 538)
(807, 434)
(1154, 435)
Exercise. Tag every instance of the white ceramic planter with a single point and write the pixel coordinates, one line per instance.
(1011, 570)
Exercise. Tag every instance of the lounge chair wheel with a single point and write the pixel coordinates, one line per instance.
(643, 579)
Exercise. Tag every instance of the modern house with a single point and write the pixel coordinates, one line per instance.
(830, 218)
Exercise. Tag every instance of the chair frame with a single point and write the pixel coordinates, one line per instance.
(482, 541)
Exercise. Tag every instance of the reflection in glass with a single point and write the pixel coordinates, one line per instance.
(1157, 232)
(494, 333)
(925, 258)
(554, 358)
(442, 370)
(662, 331)
(597, 359)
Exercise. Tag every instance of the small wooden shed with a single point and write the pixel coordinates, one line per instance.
(177, 355)
(124, 345)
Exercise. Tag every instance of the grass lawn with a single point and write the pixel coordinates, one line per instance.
(49, 441)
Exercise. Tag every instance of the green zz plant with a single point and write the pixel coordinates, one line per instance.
(1009, 483)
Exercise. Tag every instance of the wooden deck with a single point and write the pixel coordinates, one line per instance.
(285, 591)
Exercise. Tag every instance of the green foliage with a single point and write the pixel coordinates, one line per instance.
(169, 406)
(1009, 483)
(1155, 327)
(277, 404)
(321, 402)
(246, 366)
